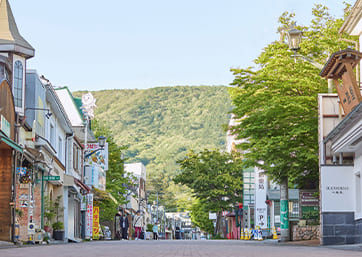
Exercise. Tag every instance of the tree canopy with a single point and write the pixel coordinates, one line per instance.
(215, 179)
(276, 102)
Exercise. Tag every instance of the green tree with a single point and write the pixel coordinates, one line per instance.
(277, 107)
(200, 217)
(215, 179)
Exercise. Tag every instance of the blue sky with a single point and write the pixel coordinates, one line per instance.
(94, 45)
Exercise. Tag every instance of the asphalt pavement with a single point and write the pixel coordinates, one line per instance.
(163, 248)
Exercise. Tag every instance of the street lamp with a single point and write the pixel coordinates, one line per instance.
(294, 36)
(101, 143)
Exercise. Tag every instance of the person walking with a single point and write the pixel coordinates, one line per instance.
(124, 226)
(155, 231)
(138, 224)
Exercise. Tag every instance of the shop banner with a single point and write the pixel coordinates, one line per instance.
(95, 222)
(261, 211)
(89, 216)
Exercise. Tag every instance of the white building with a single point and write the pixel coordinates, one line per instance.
(340, 181)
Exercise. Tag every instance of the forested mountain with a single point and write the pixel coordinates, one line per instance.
(159, 125)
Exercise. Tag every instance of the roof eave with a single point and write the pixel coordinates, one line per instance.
(23, 51)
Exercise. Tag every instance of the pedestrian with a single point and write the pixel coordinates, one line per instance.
(138, 224)
(118, 235)
(155, 231)
(124, 226)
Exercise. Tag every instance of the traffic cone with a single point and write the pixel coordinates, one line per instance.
(275, 236)
(242, 236)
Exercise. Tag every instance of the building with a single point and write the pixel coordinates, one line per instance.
(14, 52)
(341, 149)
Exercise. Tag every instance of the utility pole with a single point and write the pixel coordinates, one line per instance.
(157, 208)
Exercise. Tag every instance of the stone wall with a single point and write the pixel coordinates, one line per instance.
(338, 228)
(305, 232)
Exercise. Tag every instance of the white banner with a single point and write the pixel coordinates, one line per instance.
(337, 188)
(212, 216)
(89, 216)
(261, 211)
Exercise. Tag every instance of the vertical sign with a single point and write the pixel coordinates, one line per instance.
(261, 212)
(95, 222)
(89, 216)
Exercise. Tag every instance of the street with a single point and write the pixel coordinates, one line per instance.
(176, 248)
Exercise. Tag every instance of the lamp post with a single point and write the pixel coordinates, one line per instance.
(294, 37)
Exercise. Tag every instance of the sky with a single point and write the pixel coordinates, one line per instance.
(117, 44)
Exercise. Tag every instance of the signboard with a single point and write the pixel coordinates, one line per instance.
(5, 126)
(337, 189)
(83, 203)
(308, 198)
(349, 92)
(99, 158)
(261, 212)
(89, 216)
(310, 212)
(51, 178)
(212, 216)
(96, 223)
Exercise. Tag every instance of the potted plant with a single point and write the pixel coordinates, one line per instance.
(49, 214)
(54, 209)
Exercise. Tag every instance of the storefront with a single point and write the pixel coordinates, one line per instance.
(9, 150)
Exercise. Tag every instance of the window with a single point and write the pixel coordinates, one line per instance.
(76, 158)
(18, 84)
(293, 209)
(52, 135)
(60, 148)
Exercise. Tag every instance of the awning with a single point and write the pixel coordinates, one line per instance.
(11, 143)
(84, 188)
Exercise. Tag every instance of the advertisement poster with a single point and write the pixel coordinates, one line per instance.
(261, 211)
(337, 189)
(89, 216)
(99, 158)
(96, 223)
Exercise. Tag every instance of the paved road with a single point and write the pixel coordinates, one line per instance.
(175, 248)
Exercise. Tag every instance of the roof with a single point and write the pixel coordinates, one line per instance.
(10, 38)
(70, 106)
(350, 25)
(353, 116)
(334, 68)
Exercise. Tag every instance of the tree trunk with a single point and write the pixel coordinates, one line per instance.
(218, 223)
(284, 213)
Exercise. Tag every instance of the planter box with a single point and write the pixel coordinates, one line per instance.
(59, 235)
